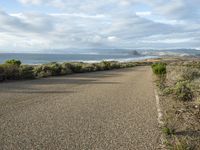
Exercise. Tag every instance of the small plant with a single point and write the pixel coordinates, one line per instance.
(168, 131)
(159, 68)
(167, 91)
(13, 62)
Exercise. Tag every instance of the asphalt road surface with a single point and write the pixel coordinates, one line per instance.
(110, 110)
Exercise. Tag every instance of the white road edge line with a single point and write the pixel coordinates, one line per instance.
(160, 115)
(160, 121)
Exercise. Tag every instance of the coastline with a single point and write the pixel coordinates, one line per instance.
(32, 59)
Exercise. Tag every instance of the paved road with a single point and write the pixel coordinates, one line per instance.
(113, 110)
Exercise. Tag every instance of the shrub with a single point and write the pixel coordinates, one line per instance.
(94, 67)
(2, 74)
(88, 68)
(11, 72)
(42, 71)
(1, 69)
(106, 65)
(98, 66)
(190, 73)
(55, 68)
(123, 65)
(13, 62)
(76, 67)
(159, 68)
(66, 69)
(26, 72)
(167, 91)
(51, 69)
(183, 91)
(130, 64)
(12, 69)
(114, 65)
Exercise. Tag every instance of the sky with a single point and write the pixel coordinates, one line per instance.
(66, 25)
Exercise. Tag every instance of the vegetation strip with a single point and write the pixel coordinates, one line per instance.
(179, 95)
(14, 70)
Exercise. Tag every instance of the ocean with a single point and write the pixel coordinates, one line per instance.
(122, 57)
(47, 58)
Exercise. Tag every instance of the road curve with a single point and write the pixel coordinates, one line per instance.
(110, 110)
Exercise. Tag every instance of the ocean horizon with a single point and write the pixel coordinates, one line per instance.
(28, 58)
(40, 58)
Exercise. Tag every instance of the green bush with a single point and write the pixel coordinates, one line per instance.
(55, 69)
(42, 71)
(11, 72)
(26, 72)
(168, 90)
(2, 73)
(123, 65)
(76, 67)
(46, 70)
(13, 62)
(98, 66)
(131, 64)
(88, 68)
(168, 131)
(106, 65)
(159, 68)
(66, 69)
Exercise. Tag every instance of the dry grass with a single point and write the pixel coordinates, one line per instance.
(180, 100)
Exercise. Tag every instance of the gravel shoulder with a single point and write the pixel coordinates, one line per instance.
(102, 110)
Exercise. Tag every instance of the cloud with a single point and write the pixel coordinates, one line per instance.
(143, 13)
(101, 24)
(34, 23)
(31, 1)
(178, 9)
(171, 9)
(112, 39)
